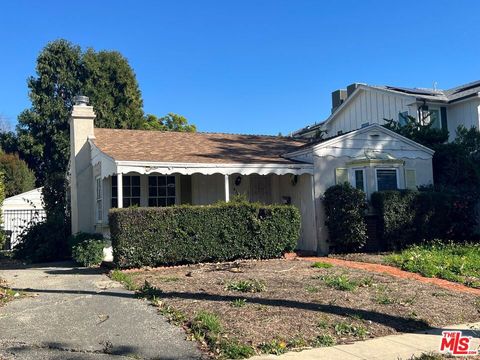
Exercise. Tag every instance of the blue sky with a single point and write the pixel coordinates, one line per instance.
(249, 66)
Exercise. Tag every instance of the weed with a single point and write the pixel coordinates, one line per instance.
(384, 299)
(343, 328)
(297, 343)
(275, 347)
(428, 356)
(324, 340)
(340, 282)
(233, 349)
(206, 325)
(323, 323)
(366, 282)
(312, 289)
(173, 315)
(247, 286)
(125, 279)
(321, 265)
(476, 303)
(238, 303)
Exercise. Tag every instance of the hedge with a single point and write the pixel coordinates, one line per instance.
(345, 210)
(410, 217)
(191, 234)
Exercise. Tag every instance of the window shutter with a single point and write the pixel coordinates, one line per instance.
(410, 179)
(341, 175)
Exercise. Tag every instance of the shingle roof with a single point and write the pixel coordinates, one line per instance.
(166, 146)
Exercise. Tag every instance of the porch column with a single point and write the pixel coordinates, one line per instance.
(120, 190)
(227, 189)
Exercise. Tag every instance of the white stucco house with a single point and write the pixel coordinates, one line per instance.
(119, 168)
(360, 105)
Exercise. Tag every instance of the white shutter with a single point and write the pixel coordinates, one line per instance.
(341, 175)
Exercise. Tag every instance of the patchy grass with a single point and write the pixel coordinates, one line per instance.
(296, 305)
(246, 286)
(453, 262)
(124, 278)
(321, 265)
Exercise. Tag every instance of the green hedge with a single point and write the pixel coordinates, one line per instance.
(190, 234)
(345, 210)
(410, 217)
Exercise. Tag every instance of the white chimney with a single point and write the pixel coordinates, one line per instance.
(81, 174)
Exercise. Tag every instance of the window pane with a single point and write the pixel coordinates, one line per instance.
(152, 191)
(126, 180)
(135, 191)
(152, 181)
(386, 180)
(170, 201)
(114, 181)
(171, 191)
(136, 180)
(114, 191)
(435, 119)
(170, 179)
(161, 181)
(114, 203)
(135, 201)
(162, 202)
(359, 180)
(152, 202)
(127, 191)
(162, 191)
(126, 202)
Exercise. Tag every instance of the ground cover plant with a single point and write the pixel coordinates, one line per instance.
(454, 262)
(300, 305)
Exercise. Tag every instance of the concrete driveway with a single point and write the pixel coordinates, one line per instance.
(76, 313)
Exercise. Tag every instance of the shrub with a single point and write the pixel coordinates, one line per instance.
(89, 252)
(344, 207)
(45, 241)
(409, 217)
(190, 234)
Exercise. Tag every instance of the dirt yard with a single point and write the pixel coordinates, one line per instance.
(276, 305)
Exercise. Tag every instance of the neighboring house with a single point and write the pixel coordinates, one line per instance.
(361, 105)
(19, 212)
(120, 168)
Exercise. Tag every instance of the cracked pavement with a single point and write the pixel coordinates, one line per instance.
(76, 313)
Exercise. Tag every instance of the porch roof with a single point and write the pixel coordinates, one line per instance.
(188, 153)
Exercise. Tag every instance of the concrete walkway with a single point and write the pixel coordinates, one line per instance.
(393, 347)
(76, 313)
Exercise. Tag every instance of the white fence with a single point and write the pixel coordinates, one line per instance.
(16, 221)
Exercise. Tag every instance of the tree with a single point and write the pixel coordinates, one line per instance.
(112, 87)
(418, 131)
(169, 122)
(18, 178)
(43, 130)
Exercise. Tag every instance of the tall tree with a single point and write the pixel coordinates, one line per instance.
(17, 177)
(169, 122)
(43, 129)
(112, 87)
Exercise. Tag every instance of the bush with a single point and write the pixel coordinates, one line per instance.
(81, 237)
(191, 234)
(45, 241)
(345, 207)
(409, 217)
(89, 252)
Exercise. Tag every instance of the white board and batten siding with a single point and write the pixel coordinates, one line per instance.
(466, 113)
(372, 107)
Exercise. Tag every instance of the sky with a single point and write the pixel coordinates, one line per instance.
(256, 67)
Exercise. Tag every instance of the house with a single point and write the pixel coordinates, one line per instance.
(19, 212)
(360, 105)
(120, 168)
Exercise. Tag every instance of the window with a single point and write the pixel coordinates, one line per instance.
(359, 179)
(99, 199)
(410, 179)
(161, 190)
(341, 176)
(432, 116)
(131, 191)
(403, 118)
(387, 179)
